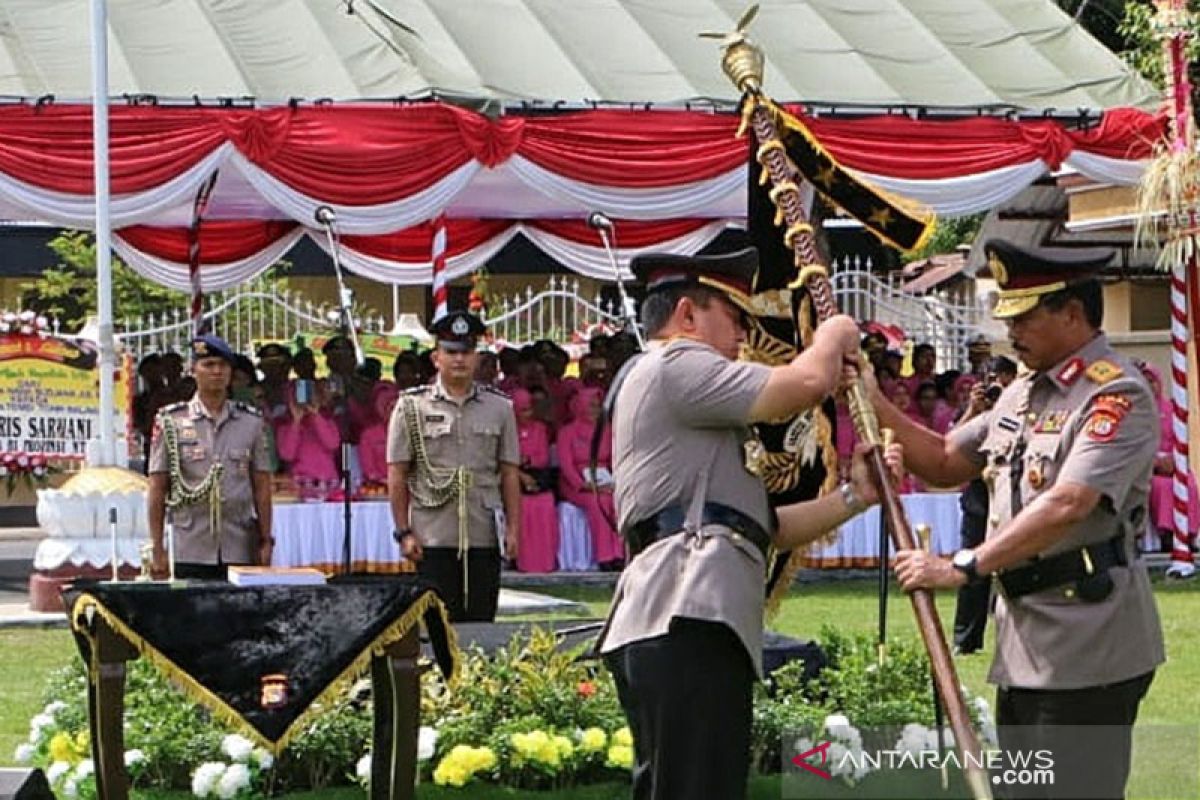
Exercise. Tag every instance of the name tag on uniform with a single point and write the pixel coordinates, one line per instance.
(1052, 422)
(435, 418)
(1009, 424)
(187, 433)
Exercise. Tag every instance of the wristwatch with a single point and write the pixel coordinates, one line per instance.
(852, 500)
(964, 562)
(400, 533)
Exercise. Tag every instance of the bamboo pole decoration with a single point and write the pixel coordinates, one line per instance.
(1169, 212)
(743, 62)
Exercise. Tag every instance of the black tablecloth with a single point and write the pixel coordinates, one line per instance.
(219, 641)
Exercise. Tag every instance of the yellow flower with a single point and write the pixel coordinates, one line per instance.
(450, 773)
(62, 748)
(480, 758)
(623, 737)
(620, 755)
(564, 746)
(593, 740)
(83, 743)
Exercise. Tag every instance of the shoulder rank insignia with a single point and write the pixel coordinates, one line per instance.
(1103, 371)
(1071, 371)
(173, 407)
(247, 407)
(417, 389)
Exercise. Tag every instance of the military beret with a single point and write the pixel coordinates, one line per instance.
(212, 346)
(732, 274)
(1025, 275)
(273, 351)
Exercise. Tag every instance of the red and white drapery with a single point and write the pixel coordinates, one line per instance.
(672, 179)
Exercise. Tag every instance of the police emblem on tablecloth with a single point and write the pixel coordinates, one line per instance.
(274, 690)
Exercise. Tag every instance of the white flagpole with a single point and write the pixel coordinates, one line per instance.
(107, 446)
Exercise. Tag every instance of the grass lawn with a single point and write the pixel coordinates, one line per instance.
(1174, 699)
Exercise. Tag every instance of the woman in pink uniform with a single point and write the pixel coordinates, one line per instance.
(576, 486)
(372, 448)
(309, 443)
(539, 517)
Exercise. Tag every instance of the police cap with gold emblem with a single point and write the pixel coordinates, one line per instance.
(732, 274)
(212, 346)
(1024, 276)
(457, 331)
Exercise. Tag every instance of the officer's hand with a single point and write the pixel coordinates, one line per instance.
(842, 333)
(851, 371)
(860, 474)
(265, 548)
(411, 549)
(917, 569)
(160, 569)
(511, 542)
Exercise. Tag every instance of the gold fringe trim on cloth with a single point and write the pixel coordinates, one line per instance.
(226, 713)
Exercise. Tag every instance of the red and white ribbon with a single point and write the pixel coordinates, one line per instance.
(1180, 550)
(441, 292)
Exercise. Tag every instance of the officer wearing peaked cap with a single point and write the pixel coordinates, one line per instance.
(453, 458)
(210, 469)
(1067, 452)
(683, 638)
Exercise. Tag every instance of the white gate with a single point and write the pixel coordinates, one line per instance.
(944, 319)
(555, 313)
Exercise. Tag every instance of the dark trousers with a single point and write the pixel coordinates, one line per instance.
(971, 611)
(443, 567)
(1089, 733)
(688, 699)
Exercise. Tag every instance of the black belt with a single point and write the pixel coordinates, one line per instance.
(670, 521)
(1089, 574)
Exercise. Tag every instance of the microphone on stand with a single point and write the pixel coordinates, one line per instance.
(326, 217)
(603, 225)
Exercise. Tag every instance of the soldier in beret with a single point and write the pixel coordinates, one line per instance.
(210, 469)
(683, 638)
(1067, 451)
(453, 463)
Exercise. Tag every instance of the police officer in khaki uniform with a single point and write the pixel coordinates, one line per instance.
(684, 634)
(210, 469)
(453, 457)
(1067, 451)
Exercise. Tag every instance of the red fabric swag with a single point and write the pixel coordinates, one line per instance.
(221, 241)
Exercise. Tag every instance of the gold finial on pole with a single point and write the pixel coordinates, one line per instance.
(742, 60)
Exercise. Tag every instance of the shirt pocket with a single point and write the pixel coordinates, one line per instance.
(1041, 464)
(485, 441)
(192, 452)
(240, 460)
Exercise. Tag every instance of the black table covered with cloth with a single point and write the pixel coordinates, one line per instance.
(260, 657)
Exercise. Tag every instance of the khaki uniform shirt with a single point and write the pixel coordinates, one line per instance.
(236, 438)
(479, 433)
(678, 434)
(1090, 420)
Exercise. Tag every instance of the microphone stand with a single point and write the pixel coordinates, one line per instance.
(327, 219)
(603, 225)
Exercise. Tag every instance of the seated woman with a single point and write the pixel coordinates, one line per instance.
(578, 486)
(539, 518)
(309, 445)
(372, 448)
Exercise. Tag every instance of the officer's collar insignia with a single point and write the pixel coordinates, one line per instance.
(1103, 371)
(1071, 371)
(1009, 424)
(1052, 422)
(460, 327)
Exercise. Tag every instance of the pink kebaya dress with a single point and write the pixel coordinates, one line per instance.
(539, 516)
(574, 453)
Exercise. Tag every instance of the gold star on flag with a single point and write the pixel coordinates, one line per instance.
(826, 176)
(881, 217)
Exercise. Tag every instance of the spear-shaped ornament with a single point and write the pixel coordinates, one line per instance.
(743, 63)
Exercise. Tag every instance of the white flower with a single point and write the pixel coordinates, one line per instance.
(426, 743)
(913, 738)
(205, 777)
(363, 768)
(53, 708)
(133, 757)
(70, 788)
(40, 721)
(236, 778)
(57, 770)
(42, 323)
(837, 755)
(838, 727)
(84, 769)
(262, 757)
(237, 747)
(24, 753)
(26, 316)
(27, 329)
